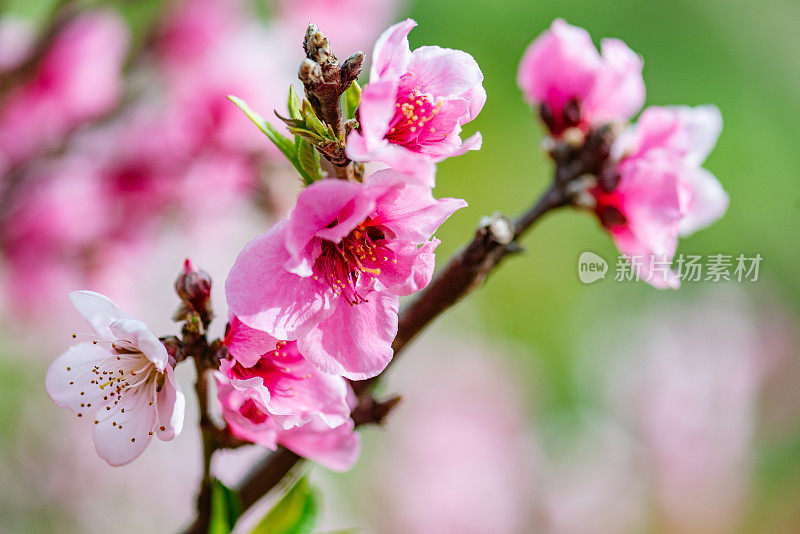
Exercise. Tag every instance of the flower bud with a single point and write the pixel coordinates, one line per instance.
(193, 286)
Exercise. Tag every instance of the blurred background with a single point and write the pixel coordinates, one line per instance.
(540, 404)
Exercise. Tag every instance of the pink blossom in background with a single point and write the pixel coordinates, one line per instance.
(195, 27)
(415, 104)
(562, 71)
(590, 479)
(331, 275)
(214, 48)
(79, 79)
(89, 216)
(458, 454)
(121, 380)
(692, 402)
(662, 190)
(55, 236)
(350, 25)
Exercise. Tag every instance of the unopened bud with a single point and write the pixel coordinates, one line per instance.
(310, 72)
(351, 68)
(193, 286)
(316, 46)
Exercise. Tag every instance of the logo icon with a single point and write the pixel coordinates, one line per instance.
(591, 267)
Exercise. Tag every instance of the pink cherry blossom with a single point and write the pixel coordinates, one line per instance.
(121, 380)
(563, 72)
(415, 104)
(662, 190)
(79, 79)
(280, 381)
(329, 277)
(336, 448)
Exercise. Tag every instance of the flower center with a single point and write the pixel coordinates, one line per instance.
(410, 125)
(252, 412)
(109, 382)
(344, 263)
(277, 368)
(607, 209)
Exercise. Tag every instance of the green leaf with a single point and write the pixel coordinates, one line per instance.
(309, 159)
(295, 513)
(284, 144)
(295, 105)
(312, 120)
(352, 98)
(225, 508)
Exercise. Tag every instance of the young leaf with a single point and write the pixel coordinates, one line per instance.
(312, 120)
(295, 104)
(225, 509)
(309, 159)
(352, 98)
(284, 144)
(295, 513)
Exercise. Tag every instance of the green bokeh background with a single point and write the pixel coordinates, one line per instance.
(740, 55)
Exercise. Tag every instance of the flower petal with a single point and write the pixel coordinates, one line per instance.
(72, 374)
(232, 401)
(335, 448)
(247, 345)
(444, 72)
(98, 311)
(411, 267)
(391, 54)
(171, 405)
(620, 91)
(309, 394)
(559, 65)
(708, 201)
(141, 338)
(376, 109)
(356, 341)
(411, 212)
(123, 432)
(264, 296)
(703, 125)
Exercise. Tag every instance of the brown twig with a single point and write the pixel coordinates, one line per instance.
(203, 518)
